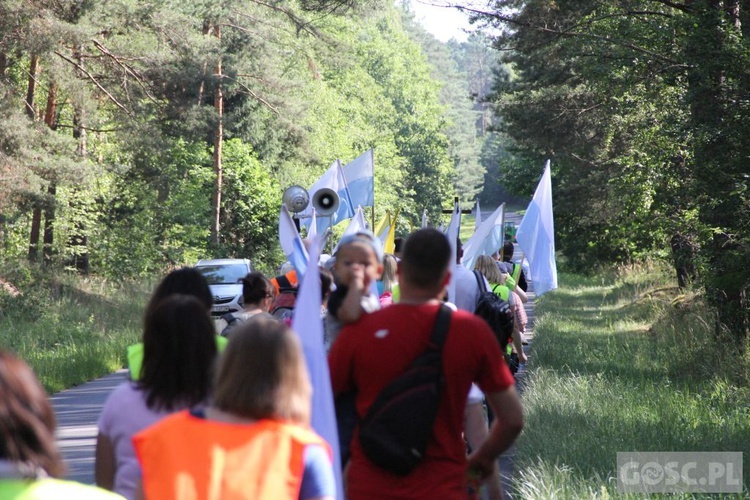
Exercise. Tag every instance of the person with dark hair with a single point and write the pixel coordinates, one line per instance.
(398, 244)
(375, 350)
(185, 281)
(254, 440)
(257, 297)
(30, 463)
(179, 353)
(515, 270)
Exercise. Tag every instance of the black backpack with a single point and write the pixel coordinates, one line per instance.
(398, 425)
(495, 311)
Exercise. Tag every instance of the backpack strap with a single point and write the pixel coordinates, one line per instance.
(229, 318)
(440, 330)
(480, 281)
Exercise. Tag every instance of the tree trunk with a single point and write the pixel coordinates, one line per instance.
(79, 239)
(50, 118)
(683, 254)
(36, 215)
(218, 139)
(716, 24)
(31, 88)
(36, 224)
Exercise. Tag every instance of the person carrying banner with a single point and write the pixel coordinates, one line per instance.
(376, 349)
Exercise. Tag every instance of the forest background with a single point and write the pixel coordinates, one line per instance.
(136, 136)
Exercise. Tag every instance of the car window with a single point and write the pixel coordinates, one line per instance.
(226, 274)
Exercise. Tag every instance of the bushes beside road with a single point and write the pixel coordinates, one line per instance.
(623, 363)
(69, 329)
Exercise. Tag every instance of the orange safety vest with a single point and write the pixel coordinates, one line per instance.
(188, 457)
(290, 278)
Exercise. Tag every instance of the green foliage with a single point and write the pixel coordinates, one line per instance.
(250, 206)
(70, 330)
(642, 108)
(619, 362)
(126, 162)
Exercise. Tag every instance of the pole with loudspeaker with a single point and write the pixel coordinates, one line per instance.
(296, 199)
(326, 201)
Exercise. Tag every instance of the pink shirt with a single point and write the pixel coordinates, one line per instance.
(125, 414)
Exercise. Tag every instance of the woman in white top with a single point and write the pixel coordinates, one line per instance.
(179, 353)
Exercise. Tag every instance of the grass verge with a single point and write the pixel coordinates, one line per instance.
(69, 329)
(620, 364)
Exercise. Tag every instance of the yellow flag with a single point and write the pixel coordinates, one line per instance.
(390, 241)
(383, 225)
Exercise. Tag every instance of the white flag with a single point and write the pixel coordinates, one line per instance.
(536, 236)
(478, 220)
(486, 240)
(309, 327)
(356, 224)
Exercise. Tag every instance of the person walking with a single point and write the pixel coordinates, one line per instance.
(179, 353)
(30, 463)
(257, 297)
(379, 347)
(253, 441)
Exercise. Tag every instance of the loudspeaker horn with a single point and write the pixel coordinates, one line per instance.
(295, 198)
(325, 201)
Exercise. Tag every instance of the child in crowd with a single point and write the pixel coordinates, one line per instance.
(388, 282)
(254, 440)
(357, 266)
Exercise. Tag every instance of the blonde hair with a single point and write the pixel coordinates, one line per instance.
(487, 266)
(389, 276)
(262, 374)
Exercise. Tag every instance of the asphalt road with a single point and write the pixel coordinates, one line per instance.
(77, 411)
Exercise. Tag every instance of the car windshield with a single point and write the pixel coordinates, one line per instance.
(223, 274)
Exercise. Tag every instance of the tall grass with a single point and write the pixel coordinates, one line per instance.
(69, 329)
(622, 363)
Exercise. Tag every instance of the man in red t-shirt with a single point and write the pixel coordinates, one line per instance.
(371, 352)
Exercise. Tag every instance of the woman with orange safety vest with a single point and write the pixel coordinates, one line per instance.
(254, 440)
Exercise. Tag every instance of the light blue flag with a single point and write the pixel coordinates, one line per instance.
(452, 234)
(333, 178)
(359, 175)
(536, 236)
(486, 240)
(309, 327)
(291, 243)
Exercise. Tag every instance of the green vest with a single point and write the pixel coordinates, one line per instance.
(135, 356)
(502, 291)
(516, 272)
(42, 489)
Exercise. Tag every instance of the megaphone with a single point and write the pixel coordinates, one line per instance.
(295, 198)
(325, 201)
